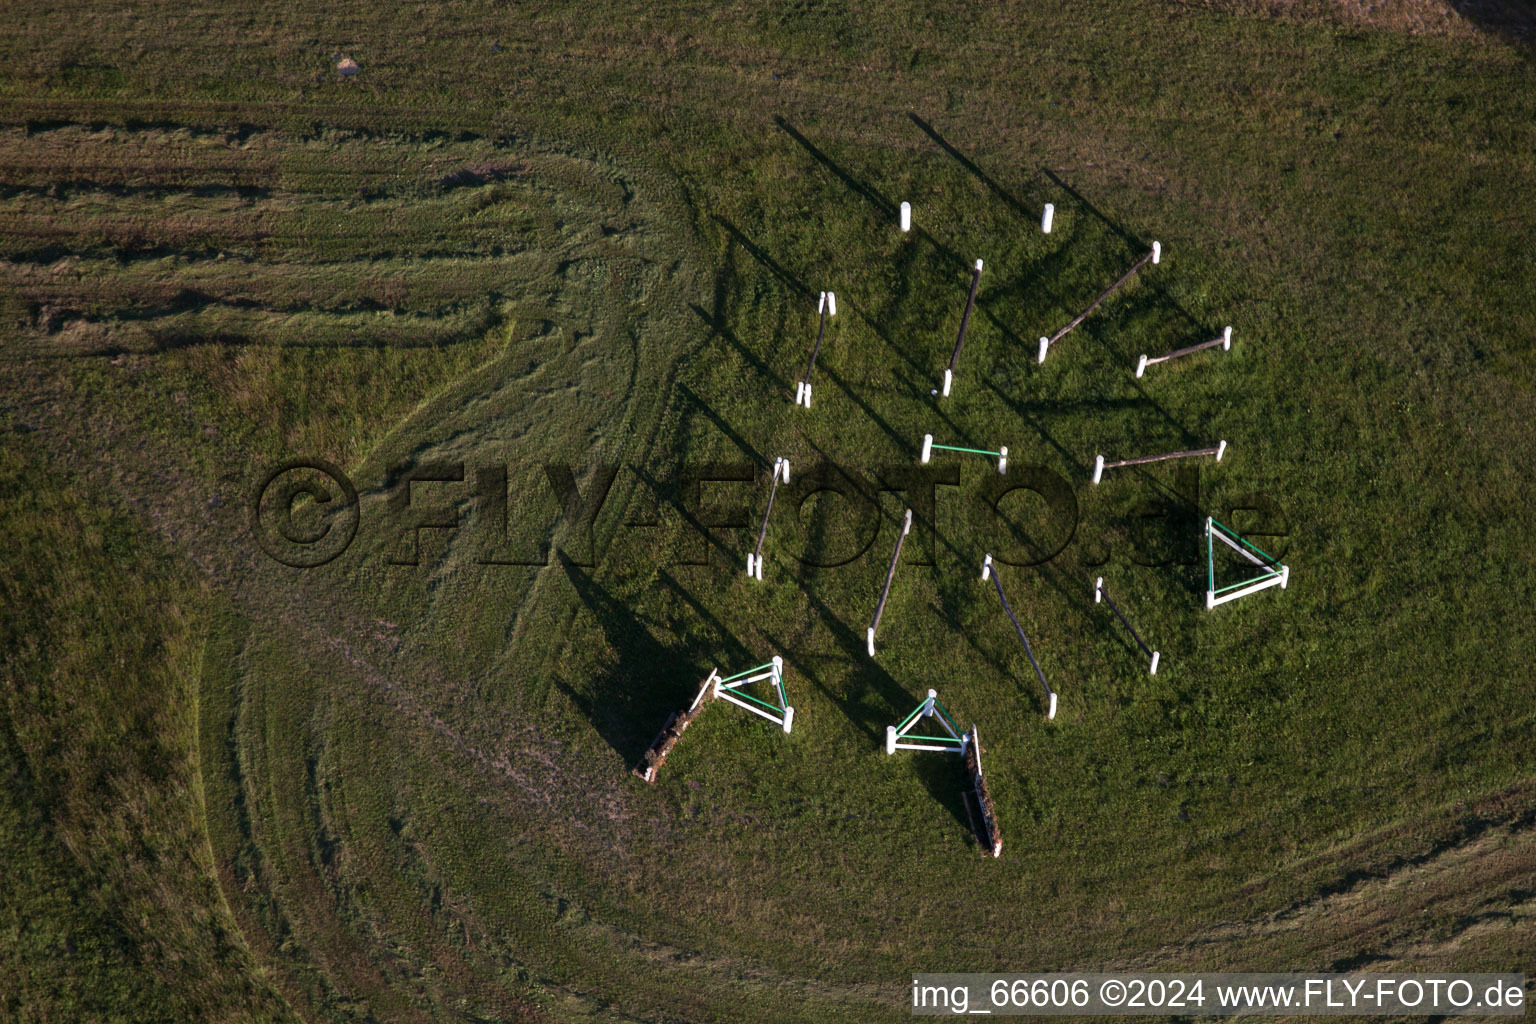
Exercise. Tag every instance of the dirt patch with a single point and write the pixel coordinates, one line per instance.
(1465, 18)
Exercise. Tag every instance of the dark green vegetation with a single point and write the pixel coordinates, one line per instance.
(235, 790)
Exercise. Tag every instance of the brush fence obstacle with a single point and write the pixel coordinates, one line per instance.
(898, 737)
(755, 559)
(678, 721)
(730, 688)
(1155, 256)
(1101, 595)
(1225, 341)
(1275, 573)
(965, 323)
(826, 306)
(890, 574)
(1001, 455)
(987, 832)
(1099, 465)
(988, 573)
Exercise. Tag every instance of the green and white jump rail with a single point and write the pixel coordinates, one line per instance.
(1155, 256)
(1100, 465)
(730, 688)
(1001, 455)
(826, 307)
(1225, 341)
(1275, 573)
(954, 741)
(755, 559)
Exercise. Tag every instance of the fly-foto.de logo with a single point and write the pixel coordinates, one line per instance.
(824, 515)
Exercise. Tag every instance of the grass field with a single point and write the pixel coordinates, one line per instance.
(396, 786)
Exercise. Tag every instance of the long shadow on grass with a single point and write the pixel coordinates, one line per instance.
(627, 711)
(1082, 201)
(774, 267)
(966, 162)
(714, 417)
(867, 192)
(717, 326)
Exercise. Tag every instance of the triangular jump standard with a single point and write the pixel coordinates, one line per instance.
(1274, 572)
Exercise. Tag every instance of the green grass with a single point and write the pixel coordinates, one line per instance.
(601, 242)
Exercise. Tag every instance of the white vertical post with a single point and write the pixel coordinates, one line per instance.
(1002, 459)
(948, 379)
(831, 303)
(906, 216)
(1221, 450)
(1098, 468)
(1045, 221)
(1157, 252)
(927, 447)
(1226, 339)
(986, 568)
(789, 718)
(1051, 714)
(1098, 590)
(1155, 656)
(869, 638)
(1141, 366)
(1045, 343)
(890, 739)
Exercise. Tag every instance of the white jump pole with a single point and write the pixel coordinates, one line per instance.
(1100, 465)
(1047, 217)
(890, 574)
(906, 217)
(1101, 595)
(826, 307)
(1155, 256)
(1225, 341)
(965, 322)
(755, 559)
(997, 581)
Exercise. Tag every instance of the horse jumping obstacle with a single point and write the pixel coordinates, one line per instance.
(1099, 465)
(755, 559)
(987, 573)
(678, 721)
(990, 836)
(954, 742)
(965, 322)
(1225, 341)
(890, 574)
(729, 688)
(1272, 576)
(1155, 256)
(928, 449)
(826, 306)
(1102, 595)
